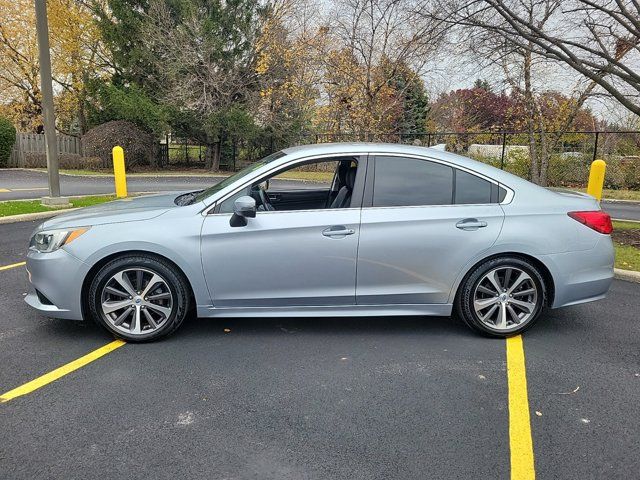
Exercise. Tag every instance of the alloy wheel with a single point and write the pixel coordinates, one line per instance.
(505, 298)
(136, 301)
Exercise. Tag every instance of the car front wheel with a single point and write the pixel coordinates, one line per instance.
(502, 296)
(138, 298)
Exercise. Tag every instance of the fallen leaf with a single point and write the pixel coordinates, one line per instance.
(569, 393)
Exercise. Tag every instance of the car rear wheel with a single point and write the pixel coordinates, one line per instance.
(502, 296)
(139, 298)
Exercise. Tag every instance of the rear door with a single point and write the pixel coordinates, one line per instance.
(422, 221)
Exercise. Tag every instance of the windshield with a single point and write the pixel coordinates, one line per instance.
(236, 176)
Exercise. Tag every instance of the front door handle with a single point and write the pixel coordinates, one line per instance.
(470, 224)
(337, 231)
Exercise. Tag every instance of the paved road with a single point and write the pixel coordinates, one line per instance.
(357, 398)
(30, 184)
(623, 210)
(25, 184)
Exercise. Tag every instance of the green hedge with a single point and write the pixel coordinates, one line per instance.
(7, 139)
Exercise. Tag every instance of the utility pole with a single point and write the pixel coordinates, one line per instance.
(51, 144)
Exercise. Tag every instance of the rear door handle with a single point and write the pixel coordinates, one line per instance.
(337, 231)
(470, 224)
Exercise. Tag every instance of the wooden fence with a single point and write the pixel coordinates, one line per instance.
(34, 143)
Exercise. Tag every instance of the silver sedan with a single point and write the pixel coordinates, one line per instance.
(376, 230)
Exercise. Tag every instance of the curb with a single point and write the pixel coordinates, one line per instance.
(625, 220)
(67, 196)
(27, 217)
(156, 175)
(627, 275)
(619, 200)
(131, 174)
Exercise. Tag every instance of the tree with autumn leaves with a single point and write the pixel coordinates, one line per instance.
(76, 59)
(270, 73)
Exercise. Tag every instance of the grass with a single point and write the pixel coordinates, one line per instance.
(305, 176)
(297, 175)
(627, 256)
(66, 171)
(621, 194)
(308, 176)
(20, 207)
(622, 225)
(608, 194)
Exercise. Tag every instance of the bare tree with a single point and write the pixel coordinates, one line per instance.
(492, 38)
(600, 39)
(370, 43)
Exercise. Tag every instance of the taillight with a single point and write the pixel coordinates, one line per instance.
(597, 220)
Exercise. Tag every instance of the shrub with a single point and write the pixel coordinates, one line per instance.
(568, 171)
(139, 146)
(622, 173)
(125, 103)
(7, 139)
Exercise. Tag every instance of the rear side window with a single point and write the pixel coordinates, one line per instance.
(403, 181)
(471, 189)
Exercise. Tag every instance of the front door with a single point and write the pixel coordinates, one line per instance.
(283, 257)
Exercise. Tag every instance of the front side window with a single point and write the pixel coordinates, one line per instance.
(321, 184)
(207, 192)
(401, 181)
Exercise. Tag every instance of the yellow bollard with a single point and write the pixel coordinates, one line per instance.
(120, 176)
(596, 178)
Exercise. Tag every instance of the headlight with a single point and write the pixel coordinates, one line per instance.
(51, 240)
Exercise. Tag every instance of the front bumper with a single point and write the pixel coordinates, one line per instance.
(56, 283)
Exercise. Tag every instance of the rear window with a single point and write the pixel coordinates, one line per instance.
(471, 189)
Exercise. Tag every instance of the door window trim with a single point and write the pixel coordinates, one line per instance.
(371, 170)
(358, 188)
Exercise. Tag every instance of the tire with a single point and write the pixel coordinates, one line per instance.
(489, 301)
(118, 288)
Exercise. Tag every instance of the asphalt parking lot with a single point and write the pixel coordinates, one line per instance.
(333, 398)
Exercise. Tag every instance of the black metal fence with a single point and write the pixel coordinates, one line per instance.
(569, 153)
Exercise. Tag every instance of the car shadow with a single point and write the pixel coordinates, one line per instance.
(387, 325)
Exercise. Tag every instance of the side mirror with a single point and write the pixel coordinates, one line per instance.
(243, 207)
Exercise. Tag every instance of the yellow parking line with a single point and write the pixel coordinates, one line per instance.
(60, 372)
(13, 265)
(4, 190)
(520, 441)
(27, 189)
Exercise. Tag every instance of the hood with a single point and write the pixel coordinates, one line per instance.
(125, 210)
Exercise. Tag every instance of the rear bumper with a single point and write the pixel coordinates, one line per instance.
(582, 276)
(58, 277)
